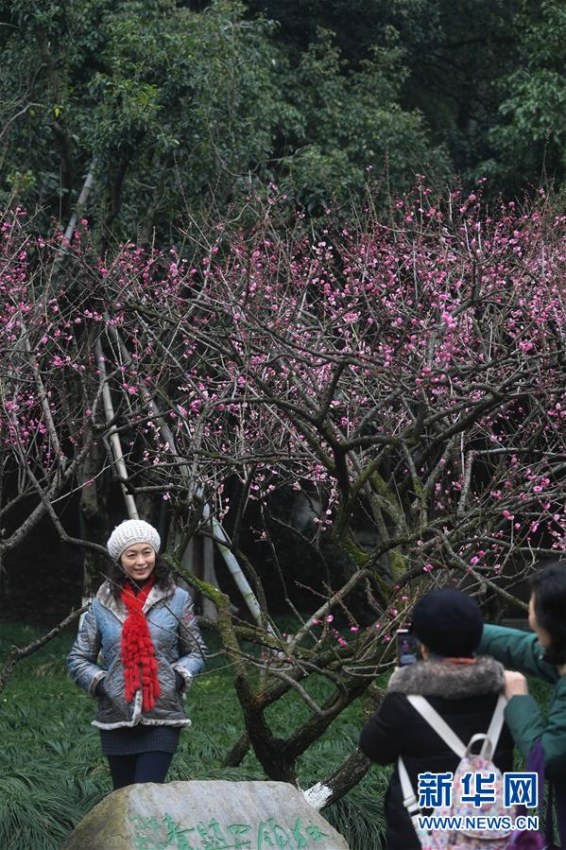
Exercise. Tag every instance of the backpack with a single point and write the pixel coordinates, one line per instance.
(474, 773)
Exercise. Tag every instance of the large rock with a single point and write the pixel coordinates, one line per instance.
(205, 815)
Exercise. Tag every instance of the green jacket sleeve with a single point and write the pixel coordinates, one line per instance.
(527, 725)
(521, 651)
(518, 650)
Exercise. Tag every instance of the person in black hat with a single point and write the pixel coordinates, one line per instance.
(463, 689)
(448, 623)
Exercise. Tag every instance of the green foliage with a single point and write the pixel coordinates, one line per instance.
(353, 127)
(186, 107)
(486, 76)
(531, 139)
(190, 118)
(169, 104)
(52, 772)
(183, 110)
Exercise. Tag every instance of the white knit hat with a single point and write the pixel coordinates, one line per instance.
(130, 532)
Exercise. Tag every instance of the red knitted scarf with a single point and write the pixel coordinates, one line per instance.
(138, 653)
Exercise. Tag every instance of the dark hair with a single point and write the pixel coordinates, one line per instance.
(549, 589)
(117, 577)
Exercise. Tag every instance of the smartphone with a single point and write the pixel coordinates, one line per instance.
(407, 648)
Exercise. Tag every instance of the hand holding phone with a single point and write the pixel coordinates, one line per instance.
(407, 648)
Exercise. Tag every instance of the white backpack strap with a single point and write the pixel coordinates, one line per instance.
(433, 718)
(495, 727)
(438, 723)
(410, 800)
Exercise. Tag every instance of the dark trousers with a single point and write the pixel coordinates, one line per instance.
(142, 767)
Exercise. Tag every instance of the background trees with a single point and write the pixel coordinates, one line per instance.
(533, 94)
(129, 91)
(177, 107)
(486, 77)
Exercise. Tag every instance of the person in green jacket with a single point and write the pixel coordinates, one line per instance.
(542, 654)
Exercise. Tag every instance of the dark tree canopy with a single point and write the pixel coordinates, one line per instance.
(183, 107)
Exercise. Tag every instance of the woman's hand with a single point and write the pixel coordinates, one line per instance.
(515, 684)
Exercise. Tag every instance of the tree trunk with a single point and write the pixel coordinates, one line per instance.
(269, 751)
(94, 519)
(347, 776)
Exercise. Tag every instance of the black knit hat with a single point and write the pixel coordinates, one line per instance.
(448, 622)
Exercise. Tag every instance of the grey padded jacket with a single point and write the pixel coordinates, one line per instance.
(96, 656)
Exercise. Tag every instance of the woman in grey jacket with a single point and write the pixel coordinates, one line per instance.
(136, 653)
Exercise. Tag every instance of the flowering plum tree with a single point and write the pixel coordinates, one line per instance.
(404, 375)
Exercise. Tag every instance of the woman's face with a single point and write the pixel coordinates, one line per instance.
(138, 561)
(543, 636)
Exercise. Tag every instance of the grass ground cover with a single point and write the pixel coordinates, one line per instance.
(52, 772)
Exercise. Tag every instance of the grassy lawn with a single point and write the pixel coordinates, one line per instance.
(52, 772)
